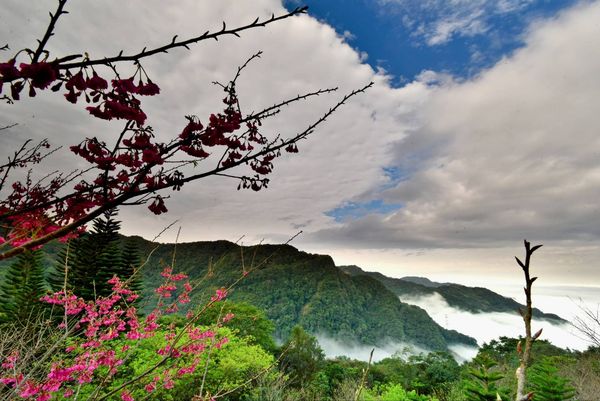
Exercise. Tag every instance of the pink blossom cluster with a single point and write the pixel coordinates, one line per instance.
(134, 164)
(93, 347)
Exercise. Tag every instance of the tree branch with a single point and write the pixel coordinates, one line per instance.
(49, 31)
(175, 44)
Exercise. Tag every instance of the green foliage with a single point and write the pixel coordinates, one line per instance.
(394, 392)
(481, 384)
(424, 373)
(302, 357)
(546, 382)
(248, 322)
(22, 287)
(342, 372)
(228, 369)
(503, 350)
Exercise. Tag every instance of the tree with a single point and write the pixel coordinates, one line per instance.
(22, 288)
(588, 323)
(302, 357)
(247, 322)
(526, 313)
(94, 259)
(136, 168)
(130, 264)
(546, 382)
(481, 384)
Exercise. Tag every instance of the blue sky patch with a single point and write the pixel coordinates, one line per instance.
(355, 210)
(405, 37)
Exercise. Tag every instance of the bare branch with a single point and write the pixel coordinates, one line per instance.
(525, 355)
(8, 126)
(175, 44)
(49, 31)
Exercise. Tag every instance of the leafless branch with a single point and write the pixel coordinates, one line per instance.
(175, 44)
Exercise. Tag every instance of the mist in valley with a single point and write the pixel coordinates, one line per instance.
(485, 327)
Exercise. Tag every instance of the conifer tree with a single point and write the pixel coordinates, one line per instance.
(23, 286)
(56, 277)
(92, 260)
(130, 263)
(547, 384)
(481, 385)
(105, 247)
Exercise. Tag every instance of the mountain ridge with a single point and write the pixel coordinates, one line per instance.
(470, 299)
(296, 287)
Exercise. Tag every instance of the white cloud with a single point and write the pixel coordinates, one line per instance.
(511, 154)
(439, 21)
(333, 348)
(485, 327)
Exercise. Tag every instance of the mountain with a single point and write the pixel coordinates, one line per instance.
(295, 287)
(470, 299)
(422, 281)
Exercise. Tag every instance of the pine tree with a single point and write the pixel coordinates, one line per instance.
(56, 277)
(481, 385)
(547, 384)
(23, 286)
(106, 249)
(130, 263)
(92, 260)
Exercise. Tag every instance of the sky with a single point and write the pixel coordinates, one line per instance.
(481, 130)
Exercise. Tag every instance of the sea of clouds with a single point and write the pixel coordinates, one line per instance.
(484, 327)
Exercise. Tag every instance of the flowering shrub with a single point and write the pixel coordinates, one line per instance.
(103, 334)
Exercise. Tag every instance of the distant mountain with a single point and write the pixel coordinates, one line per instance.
(295, 287)
(470, 299)
(422, 281)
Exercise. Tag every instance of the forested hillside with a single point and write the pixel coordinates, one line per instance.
(295, 287)
(471, 299)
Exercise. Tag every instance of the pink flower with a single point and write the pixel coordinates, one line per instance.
(126, 396)
(29, 389)
(42, 74)
(150, 89)
(228, 317)
(96, 83)
(8, 71)
(158, 206)
(124, 86)
(222, 342)
(220, 294)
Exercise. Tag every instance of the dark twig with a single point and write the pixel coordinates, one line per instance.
(49, 31)
(175, 44)
(8, 126)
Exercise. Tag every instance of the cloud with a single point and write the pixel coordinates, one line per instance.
(333, 348)
(341, 160)
(510, 154)
(439, 21)
(485, 327)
